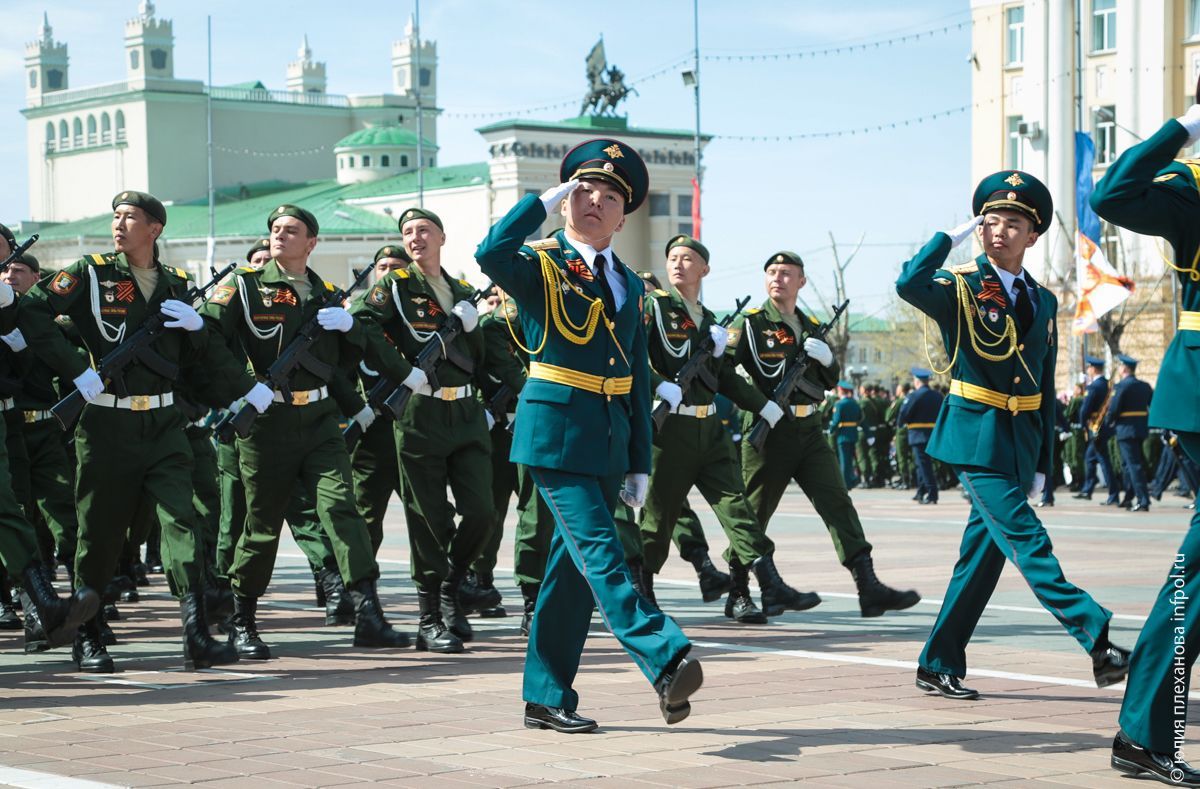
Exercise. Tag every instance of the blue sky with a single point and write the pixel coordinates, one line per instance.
(896, 186)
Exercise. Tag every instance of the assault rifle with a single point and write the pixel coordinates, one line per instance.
(297, 354)
(20, 249)
(794, 379)
(697, 367)
(136, 348)
(388, 397)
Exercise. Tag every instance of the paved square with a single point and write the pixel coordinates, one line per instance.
(823, 696)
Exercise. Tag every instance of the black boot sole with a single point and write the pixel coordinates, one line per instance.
(675, 706)
(534, 723)
(82, 609)
(807, 601)
(495, 612)
(450, 649)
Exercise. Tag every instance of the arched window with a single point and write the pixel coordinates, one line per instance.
(77, 137)
(105, 129)
(64, 140)
(133, 59)
(49, 136)
(385, 160)
(120, 126)
(91, 129)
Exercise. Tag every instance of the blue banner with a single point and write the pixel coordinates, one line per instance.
(1085, 155)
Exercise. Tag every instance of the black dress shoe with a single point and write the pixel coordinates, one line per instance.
(1086, 496)
(539, 716)
(947, 685)
(1110, 664)
(1044, 504)
(674, 688)
(928, 501)
(1132, 759)
(1140, 508)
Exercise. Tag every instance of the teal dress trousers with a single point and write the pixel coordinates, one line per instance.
(583, 421)
(996, 428)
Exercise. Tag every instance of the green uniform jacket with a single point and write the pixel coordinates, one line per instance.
(765, 346)
(673, 338)
(506, 363)
(100, 296)
(403, 307)
(559, 426)
(969, 433)
(1147, 192)
(847, 417)
(261, 312)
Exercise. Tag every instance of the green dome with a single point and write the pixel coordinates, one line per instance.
(381, 137)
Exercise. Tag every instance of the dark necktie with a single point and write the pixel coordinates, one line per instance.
(610, 304)
(1023, 305)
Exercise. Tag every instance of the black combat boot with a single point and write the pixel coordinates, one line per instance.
(713, 583)
(777, 596)
(8, 609)
(107, 637)
(339, 609)
(89, 653)
(243, 630)
(370, 628)
(874, 596)
(432, 633)
(455, 611)
(154, 564)
(739, 606)
(471, 596)
(218, 599)
(320, 589)
(59, 618)
(529, 593)
(483, 584)
(200, 650)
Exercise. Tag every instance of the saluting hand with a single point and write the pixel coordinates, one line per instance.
(553, 196)
(960, 233)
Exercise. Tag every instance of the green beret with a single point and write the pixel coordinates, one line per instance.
(8, 236)
(783, 256)
(145, 201)
(612, 161)
(410, 214)
(262, 243)
(683, 240)
(392, 251)
(296, 212)
(30, 261)
(648, 276)
(1017, 191)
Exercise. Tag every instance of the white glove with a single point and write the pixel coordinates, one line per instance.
(260, 396)
(670, 393)
(7, 296)
(1190, 120)
(466, 313)
(15, 340)
(771, 412)
(720, 336)
(89, 384)
(871, 441)
(1064, 435)
(365, 417)
(335, 319)
(183, 316)
(960, 233)
(554, 195)
(416, 379)
(1039, 482)
(819, 350)
(633, 492)
(491, 420)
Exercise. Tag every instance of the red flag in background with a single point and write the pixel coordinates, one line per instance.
(695, 209)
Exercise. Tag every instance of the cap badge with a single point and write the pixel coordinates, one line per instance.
(608, 166)
(281, 209)
(1014, 179)
(780, 259)
(614, 151)
(125, 195)
(1011, 195)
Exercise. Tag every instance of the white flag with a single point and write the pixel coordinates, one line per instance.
(1101, 288)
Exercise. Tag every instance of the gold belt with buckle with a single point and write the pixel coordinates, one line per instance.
(1189, 321)
(920, 425)
(802, 410)
(1011, 403)
(847, 424)
(1133, 413)
(596, 384)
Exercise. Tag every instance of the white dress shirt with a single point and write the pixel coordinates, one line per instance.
(1007, 279)
(616, 280)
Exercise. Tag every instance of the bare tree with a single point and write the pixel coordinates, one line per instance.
(839, 337)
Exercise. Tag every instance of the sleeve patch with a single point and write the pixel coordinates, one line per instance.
(63, 283)
(223, 294)
(735, 335)
(378, 296)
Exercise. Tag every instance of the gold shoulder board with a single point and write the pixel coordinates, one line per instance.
(964, 268)
(545, 243)
(753, 311)
(661, 292)
(402, 274)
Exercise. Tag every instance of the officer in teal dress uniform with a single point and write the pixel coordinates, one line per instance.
(1148, 191)
(843, 427)
(583, 427)
(1127, 414)
(996, 428)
